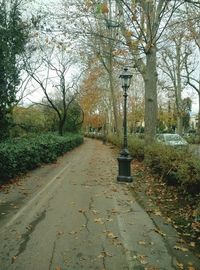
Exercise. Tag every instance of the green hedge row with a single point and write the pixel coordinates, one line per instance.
(22, 154)
(175, 166)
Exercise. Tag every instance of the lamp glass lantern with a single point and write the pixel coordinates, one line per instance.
(126, 77)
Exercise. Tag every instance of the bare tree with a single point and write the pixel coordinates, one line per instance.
(172, 64)
(51, 73)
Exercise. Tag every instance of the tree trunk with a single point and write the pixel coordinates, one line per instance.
(150, 80)
(179, 89)
(114, 102)
(179, 125)
(61, 127)
(198, 123)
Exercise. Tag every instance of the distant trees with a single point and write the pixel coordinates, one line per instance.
(13, 38)
(101, 36)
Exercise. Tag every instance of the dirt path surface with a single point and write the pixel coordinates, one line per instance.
(72, 215)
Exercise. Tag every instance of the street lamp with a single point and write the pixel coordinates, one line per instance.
(124, 160)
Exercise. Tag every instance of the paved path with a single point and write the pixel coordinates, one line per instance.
(73, 215)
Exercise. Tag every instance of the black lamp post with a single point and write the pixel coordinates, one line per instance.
(124, 160)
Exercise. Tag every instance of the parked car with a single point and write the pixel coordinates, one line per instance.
(174, 140)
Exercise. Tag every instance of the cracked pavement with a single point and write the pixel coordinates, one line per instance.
(78, 217)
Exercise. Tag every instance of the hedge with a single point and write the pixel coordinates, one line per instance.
(22, 154)
(176, 167)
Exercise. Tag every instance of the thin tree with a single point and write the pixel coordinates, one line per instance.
(51, 74)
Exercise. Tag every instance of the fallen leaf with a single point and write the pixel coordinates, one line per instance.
(94, 212)
(58, 268)
(180, 266)
(180, 248)
(100, 256)
(104, 254)
(142, 260)
(157, 213)
(111, 235)
(13, 259)
(98, 220)
(142, 242)
(160, 232)
(82, 210)
(73, 232)
(114, 211)
(60, 232)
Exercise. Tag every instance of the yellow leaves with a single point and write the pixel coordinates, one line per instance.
(58, 268)
(128, 33)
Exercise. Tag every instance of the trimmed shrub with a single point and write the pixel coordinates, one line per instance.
(22, 154)
(164, 161)
(176, 167)
(188, 174)
(137, 148)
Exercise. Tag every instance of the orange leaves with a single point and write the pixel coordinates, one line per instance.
(128, 33)
(104, 8)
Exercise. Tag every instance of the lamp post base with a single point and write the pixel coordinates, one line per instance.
(124, 162)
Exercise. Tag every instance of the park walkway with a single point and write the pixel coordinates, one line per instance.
(72, 215)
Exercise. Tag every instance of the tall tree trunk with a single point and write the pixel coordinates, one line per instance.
(60, 128)
(114, 102)
(179, 125)
(179, 89)
(198, 123)
(150, 80)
